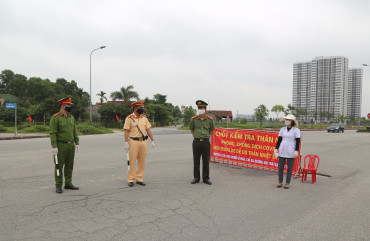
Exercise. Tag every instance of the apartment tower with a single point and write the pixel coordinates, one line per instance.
(326, 85)
(354, 92)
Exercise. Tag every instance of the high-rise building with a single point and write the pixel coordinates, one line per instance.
(354, 92)
(323, 88)
(302, 86)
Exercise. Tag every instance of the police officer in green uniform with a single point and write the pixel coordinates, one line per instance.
(63, 137)
(201, 126)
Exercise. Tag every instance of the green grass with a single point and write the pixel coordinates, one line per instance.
(184, 127)
(367, 129)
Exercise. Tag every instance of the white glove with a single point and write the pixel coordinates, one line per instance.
(153, 144)
(54, 151)
(295, 153)
(126, 146)
(77, 148)
(276, 153)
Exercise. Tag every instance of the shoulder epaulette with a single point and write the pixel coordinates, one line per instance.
(210, 117)
(144, 116)
(56, 114)
(194, 117)
(132, 115)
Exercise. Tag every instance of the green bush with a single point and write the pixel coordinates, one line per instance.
(364, 130)
(3, 129)
(92, 128)
(116, 125)
(36, 129)
(24, 126)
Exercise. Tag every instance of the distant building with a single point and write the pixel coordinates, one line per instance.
(354, 93)
(325, 84)
(244, 116)
(219, 115)
(302, 85)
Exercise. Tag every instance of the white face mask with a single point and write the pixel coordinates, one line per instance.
(201, 111)
(288, 122)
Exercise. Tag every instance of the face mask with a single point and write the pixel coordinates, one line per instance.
(140, 111)
(68, 108)
(288, 122)
(201, 111)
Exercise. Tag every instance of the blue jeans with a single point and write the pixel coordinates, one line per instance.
(290, 162)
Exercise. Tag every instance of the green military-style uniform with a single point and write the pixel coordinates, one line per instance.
(202, 130)
(63, 135)
(201, 127)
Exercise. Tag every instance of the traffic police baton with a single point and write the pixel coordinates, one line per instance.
(128, 161)
(56, 164)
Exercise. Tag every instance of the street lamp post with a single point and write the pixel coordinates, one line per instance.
(102, 47)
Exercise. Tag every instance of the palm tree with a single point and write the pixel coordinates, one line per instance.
(125, 94)
(102, 96)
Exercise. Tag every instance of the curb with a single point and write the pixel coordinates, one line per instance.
(21, 137)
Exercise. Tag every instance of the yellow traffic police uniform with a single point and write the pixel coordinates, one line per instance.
(138, 146)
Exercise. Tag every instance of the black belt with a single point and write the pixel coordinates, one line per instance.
(67, 142)
(139, 138)
(201, 139)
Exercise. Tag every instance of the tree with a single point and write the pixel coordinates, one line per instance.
(102, 96)
(352, 120)
(290, 109)
(298, 112)
(80, 101)
(277, 109)
(6, 77)
(304, 112)
(162, 113)
(18, 86)
(189, 112)
(326, 115)
(160, 99)
(176, 112)
(315, 114)
(39, 96)
(340, 118)
(109, 111)
(243, 121)
(261, 112)
(39, 89)
(125, 94)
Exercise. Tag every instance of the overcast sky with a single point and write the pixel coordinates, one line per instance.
(233, 54)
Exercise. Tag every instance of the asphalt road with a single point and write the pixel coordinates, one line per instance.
(242, 204)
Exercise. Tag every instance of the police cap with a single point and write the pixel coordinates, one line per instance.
(65, 100)
(201, 103)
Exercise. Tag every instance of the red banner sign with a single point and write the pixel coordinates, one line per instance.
(250, 148)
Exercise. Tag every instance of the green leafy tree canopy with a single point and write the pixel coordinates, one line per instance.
(260, 113)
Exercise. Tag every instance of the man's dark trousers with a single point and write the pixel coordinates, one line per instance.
(201, 149)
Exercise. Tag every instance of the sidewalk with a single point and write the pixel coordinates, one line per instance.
(11, 136)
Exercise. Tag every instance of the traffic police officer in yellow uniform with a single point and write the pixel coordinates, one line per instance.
(64, 142)
(201, 126)
(137, 129)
